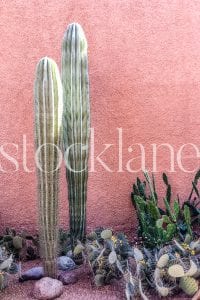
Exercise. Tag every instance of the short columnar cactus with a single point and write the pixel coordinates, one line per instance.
(48, 120)
(76, 125)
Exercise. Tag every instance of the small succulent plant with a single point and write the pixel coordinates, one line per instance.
(106, 253)
(159, 226)
(7, 266)
(22, 245)
(166, 270)
(187, 283)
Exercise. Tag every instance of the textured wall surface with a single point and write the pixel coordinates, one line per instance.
(144, 60)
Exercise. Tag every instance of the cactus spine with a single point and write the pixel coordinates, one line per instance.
(76, 125)
(48, 120)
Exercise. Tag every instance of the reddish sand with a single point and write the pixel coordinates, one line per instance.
(82, 290)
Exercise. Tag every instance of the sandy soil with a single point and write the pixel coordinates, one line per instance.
(82, 290)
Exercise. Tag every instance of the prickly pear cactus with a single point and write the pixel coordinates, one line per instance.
(18, 242)
(189, 285)
(7, 266)
(176, 271)
(48, 119)
(106, 234)
(106, 254)
(163, 261)
(3, 280)
(163, 291)
(99, 280)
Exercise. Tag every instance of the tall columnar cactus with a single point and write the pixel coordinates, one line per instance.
(76, 125)
(48, 120)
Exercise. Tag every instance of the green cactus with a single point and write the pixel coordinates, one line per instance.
(176, 271)
(76, 125)
(91, 236)
(18, 242)
(154, 227)
(171, 231)
(78, 249)
(48, 120)
(168, 191)
(64, 244)
(22, 245)
(106, 255)
(162, 290)
(177, 209)
(163, 261)
(106, 234)
(153, 210)
(7, 267)
(7, 238)
(169, 211)
(187, 217)
(158, 226)
(3, 280)
(189, 285)
(151, 184)
(99, 280)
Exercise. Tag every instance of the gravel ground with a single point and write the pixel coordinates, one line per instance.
(82, 290)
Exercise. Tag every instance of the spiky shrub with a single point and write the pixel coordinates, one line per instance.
(164, 270)
(158, 226)
(167, 270)
(76, 125)
(106, 253)
(48, 119)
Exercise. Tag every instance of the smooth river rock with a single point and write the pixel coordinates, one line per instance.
(32, 274)
(65, 263)
(47, 288)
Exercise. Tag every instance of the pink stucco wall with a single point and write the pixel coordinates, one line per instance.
(144, 59)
